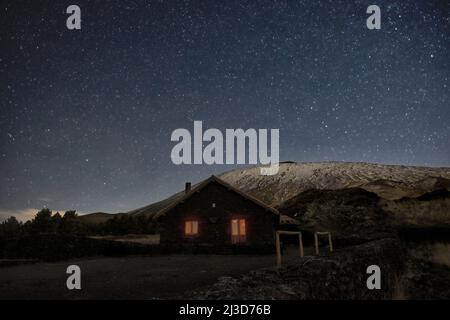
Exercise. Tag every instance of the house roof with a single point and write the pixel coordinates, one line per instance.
(159, 209)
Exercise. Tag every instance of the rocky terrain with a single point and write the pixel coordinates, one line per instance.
(341, 275)
(431, 209)
(352, 214)
(388, 181)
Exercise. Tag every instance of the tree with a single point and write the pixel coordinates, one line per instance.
(56, 222)
(10, 227)
(70, 224)
(42, 222)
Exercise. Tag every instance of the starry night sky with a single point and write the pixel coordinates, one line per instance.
(86, 116)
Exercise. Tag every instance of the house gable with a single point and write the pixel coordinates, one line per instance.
(213, 179)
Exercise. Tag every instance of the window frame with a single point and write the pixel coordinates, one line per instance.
(191, 222)
(240, 237)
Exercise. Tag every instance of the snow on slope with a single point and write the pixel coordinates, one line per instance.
(389, 181)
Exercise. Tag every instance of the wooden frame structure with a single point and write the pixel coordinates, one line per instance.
(278, 245)
(316, 241)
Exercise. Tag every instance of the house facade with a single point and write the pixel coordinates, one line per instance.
(214, 215)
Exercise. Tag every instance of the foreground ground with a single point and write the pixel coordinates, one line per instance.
(132, 277)
(414, 273)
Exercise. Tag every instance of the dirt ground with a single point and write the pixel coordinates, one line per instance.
(133, 277)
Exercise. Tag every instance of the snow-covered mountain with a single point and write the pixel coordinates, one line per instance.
(388, 181)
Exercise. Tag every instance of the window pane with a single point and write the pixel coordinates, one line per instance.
(242, 227)
(187, 227)
(191, 227)
(234, 227)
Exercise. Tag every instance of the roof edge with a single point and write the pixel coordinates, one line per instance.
(203, 184)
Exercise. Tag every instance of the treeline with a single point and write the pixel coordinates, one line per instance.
(70, 224)
(124, 224)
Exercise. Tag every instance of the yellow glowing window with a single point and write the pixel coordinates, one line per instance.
(238, 231)
(191, 227)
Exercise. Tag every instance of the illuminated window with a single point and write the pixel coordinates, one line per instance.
(191, 228)
(238, 231)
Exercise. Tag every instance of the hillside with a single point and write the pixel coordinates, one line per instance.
(96, 217)
(352, 213)
(390, 182)
(387, 181)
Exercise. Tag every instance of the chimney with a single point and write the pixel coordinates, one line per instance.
(187, 187)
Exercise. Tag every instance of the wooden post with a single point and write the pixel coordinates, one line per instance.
(300, 244)
(278, 248)
(278, 243)
(316, 240)
(329, 242)
(316, 243)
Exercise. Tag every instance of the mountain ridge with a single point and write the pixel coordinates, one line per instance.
(297, 177)
(390, 182)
